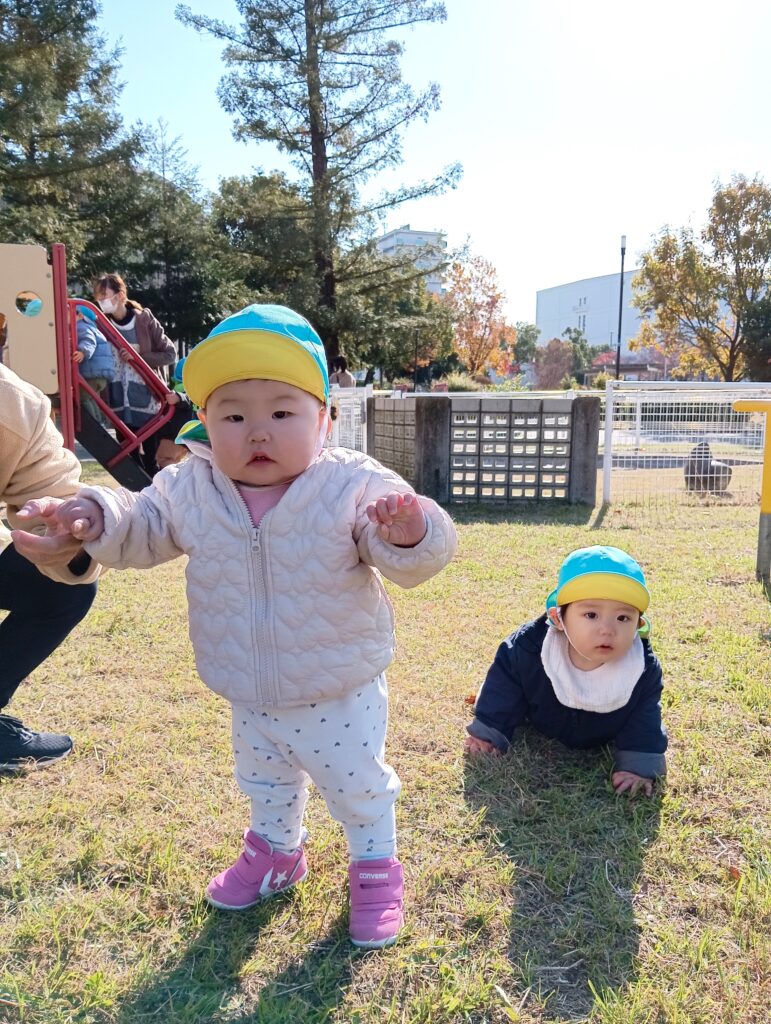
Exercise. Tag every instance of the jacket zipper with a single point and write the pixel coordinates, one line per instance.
(265, 687)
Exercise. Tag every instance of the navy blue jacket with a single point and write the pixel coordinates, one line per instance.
(517, 690)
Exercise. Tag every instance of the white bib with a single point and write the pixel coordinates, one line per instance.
(602, 689)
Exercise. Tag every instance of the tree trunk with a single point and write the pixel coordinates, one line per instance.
(322, 241)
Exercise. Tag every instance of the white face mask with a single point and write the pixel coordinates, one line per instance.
(107, 305)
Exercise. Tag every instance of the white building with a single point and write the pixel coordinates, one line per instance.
(591, 305)
(433, 244)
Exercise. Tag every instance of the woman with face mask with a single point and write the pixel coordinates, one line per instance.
(129, 396)
(137, 325)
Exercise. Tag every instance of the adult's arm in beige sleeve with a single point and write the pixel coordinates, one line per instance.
(37, 464)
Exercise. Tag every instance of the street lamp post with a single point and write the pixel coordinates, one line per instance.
(620, 309)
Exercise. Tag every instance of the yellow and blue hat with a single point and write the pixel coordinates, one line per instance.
(260, 342)
(600, 573)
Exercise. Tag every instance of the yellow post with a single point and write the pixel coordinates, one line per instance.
(763, 568)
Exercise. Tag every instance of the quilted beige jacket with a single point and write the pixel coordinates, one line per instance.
(33, 461)
(295, 610)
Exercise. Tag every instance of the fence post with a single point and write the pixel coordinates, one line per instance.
(763, 564)
(584, 439)
(369, 429)
(364, 404)
(432, 446)
(607, 452)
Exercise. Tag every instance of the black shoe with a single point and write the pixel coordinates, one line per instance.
(22, 748)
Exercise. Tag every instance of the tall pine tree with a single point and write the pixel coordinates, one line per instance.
(58, 122)
(322, 82)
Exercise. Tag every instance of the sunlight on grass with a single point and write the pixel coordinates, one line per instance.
(534, 894)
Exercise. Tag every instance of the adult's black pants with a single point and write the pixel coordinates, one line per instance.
(41, 614)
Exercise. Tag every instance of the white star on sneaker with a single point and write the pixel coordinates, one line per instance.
(279, 879)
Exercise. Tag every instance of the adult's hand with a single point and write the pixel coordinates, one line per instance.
(57, 547)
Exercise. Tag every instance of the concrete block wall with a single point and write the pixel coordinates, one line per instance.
(391, 434)
(489, 450)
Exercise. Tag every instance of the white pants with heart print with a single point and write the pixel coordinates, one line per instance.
(339, 745)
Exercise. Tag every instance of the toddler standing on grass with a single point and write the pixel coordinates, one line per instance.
(583, 673)
(288, 616)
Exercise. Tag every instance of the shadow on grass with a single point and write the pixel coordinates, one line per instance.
(211, 980)
(535, 512)
(577, 851)
(599, 519)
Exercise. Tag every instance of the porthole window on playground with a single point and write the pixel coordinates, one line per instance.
(29, 304)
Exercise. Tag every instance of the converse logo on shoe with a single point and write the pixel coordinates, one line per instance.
(373, 874)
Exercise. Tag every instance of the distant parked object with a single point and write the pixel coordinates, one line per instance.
(703, 473)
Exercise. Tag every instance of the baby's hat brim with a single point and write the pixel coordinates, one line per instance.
(600, 573)
(261, 342)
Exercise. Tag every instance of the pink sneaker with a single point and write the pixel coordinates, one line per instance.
(258, 874)
(377, 895)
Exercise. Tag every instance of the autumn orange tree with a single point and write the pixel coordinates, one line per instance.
(697, 290)
(475, 300)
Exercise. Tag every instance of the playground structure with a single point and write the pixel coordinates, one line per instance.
(41, 340)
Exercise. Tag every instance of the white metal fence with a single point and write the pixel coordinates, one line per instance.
(349, 429)
(680, 443)
(661, 442)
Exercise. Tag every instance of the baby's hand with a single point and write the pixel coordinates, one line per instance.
(474, 745)
(628, 782)
(59, 545)
(82, 517)
(400, 519)
(77, 357)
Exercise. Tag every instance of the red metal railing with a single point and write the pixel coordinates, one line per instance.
(70, 383)
(67, 396)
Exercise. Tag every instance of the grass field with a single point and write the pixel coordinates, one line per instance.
(534, 893)
(662, 488)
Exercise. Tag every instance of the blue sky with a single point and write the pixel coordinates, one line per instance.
(576, 121)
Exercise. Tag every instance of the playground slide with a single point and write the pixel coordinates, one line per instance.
(40, 341)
